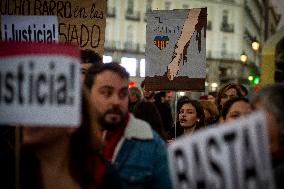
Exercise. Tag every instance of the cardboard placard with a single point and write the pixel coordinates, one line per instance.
(176, 49)
(40, 29)
(233, 155)
(80, 22)
(39, 84)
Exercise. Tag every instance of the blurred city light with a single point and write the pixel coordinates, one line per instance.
(244, 57)
(255, 45)
(250, 78)
(142, 67)
(215, 85)
(129, 64)
(256, 80)
(181, 93)
(107, 59)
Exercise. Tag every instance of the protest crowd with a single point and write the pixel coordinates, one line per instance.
(132, 137)
(116, 148)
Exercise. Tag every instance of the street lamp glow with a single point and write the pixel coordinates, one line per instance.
(181, 93)
(214, 85)
(255, 45)
(243, 57)
(250, 78)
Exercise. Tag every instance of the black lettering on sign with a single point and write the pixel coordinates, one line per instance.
(37, 7)
(74, 35)
(51, 83)
(159, 19)
(96, 13)
(60, 9)
(5, 7)
(40, 94)
(24, 85)
(181, 168)
(31, 83)
(80, 12)
(52, 6)
(80, 35)
(39, 33)
(264, 162)
(61, 29)
(213, 148)
(27, 4)
(84, 37)
(42, 88)
(95, 36)
(20, 84)
(198, 166)
(62, 90)
(230, 141)
(165, 28)
(68, 10)
(9, 97)
(18, 7)
(31, 33)
(71, 84)
(45, 9)
(250, 173)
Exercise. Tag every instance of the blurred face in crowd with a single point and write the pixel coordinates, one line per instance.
(188, 115)
(109, 96)
(238, 109)
(211, 98)
(275, 131)
(133, 97)
(147, 94)
(227, 95)
(169, 96)
(84, 68)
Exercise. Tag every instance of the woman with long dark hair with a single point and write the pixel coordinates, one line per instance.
(190, 116)
(70, 158)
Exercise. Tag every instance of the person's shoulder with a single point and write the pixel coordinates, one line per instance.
(141, 130)
(158, 139)
(138, 129)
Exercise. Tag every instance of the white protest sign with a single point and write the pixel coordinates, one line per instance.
(40, 29)
(176, 49)
(39, 84)
(80, 22)
(234, 155)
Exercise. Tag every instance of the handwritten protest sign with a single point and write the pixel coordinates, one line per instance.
(41, 29)
(80, 22)
(176, 49)
(233, 155)
(39, 84)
